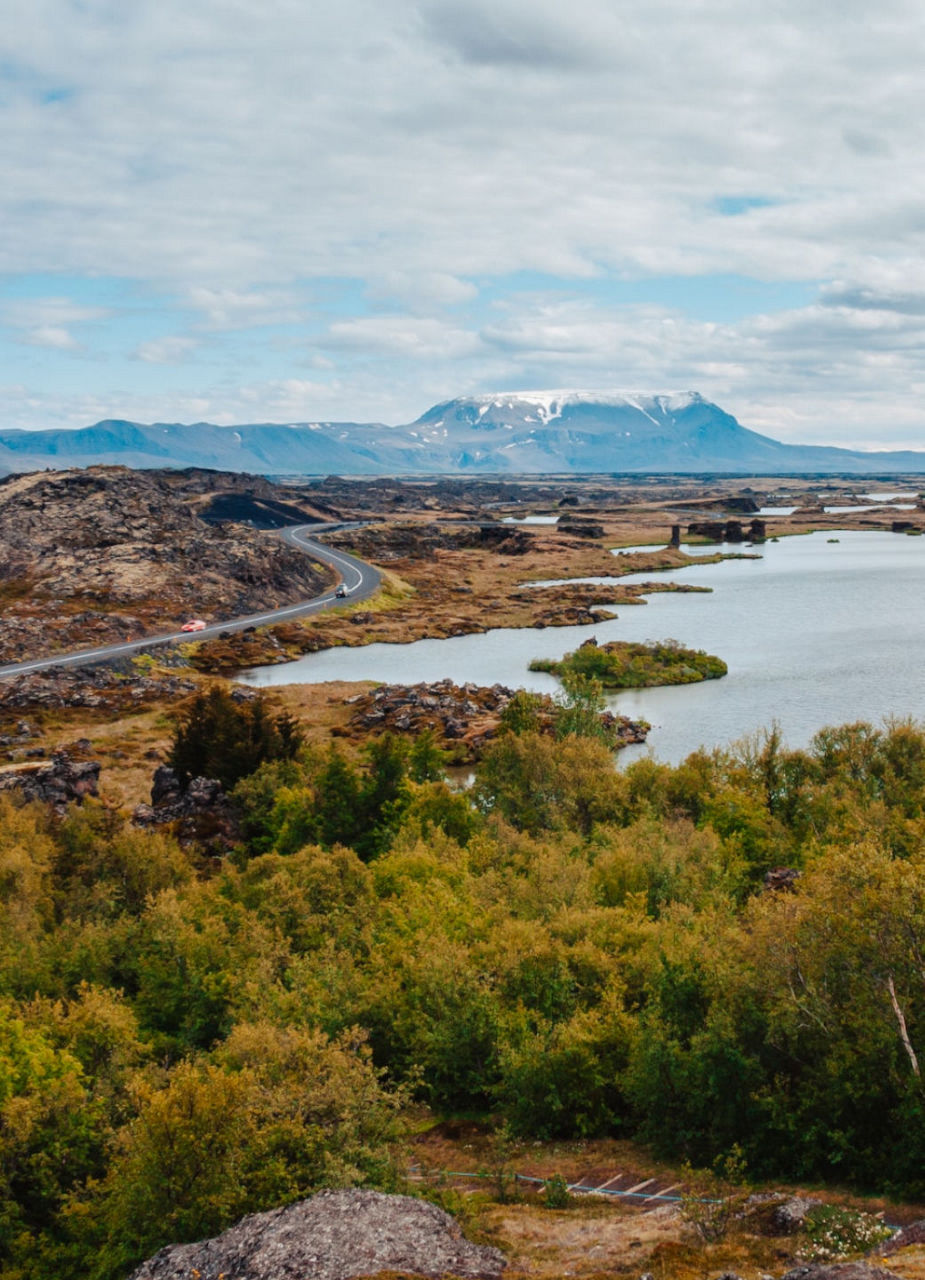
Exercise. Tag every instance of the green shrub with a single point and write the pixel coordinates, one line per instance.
(556, 1193)
(834, 1232)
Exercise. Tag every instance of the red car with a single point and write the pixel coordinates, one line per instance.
(194, 624)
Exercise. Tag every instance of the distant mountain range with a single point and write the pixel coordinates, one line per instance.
(533, 432)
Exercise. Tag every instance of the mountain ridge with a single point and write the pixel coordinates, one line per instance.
(524, 432)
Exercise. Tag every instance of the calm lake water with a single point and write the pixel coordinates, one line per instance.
(814, 633)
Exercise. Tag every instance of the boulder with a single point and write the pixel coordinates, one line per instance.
(63, 781)
(789, 1217)
(334, 1235)
(200, 812)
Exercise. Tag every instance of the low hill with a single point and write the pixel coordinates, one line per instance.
(108, 553)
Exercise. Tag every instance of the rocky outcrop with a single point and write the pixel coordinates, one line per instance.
(465, 717)
(392, 542)
(333, 1236)
(98, 687)
(200, 812)
(728, 531)
(789, 1217)
(109, 553)
(580, 527)
(62, 781)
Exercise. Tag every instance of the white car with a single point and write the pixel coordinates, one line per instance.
(194, 624)
(341, 592)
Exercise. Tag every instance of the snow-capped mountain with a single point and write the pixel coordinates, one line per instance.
(587, 431)
(533, 432)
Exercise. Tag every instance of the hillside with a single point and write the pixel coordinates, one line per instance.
(110, 553)
(529, 432)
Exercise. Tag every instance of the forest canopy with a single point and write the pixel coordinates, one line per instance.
(576, 950)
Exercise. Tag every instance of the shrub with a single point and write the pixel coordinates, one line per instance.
(834, 1232)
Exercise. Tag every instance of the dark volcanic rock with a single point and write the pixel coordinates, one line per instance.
(580, 527)
(730, 531)
(781, 880)
(466, 713)
(201, 811)
(333, 1236)
(420, 541)
(99, 687)
(108, 553)
(61, 782)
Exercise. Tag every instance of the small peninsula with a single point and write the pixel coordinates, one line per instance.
(621, 664)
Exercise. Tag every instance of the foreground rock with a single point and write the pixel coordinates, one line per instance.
(62, 781)
(333, 1236)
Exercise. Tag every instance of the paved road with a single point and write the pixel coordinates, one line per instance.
(360, 579)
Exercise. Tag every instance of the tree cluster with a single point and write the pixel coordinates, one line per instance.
(573, 949)
(623, 664)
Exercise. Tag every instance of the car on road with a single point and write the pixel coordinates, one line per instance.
(341, 592)
(194, 624)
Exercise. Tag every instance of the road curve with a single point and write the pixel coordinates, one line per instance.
(360, 579)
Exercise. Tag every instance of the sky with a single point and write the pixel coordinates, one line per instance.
(274, 210)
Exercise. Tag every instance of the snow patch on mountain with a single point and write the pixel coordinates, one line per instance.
(549, 405)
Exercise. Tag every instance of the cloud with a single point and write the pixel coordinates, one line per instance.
(169, 350)
(26, 313)
(435, 153)
(191, 149)
(513, 35)
(242, 309)
(50, 335)
(422, 290)
(46, 322)
(402, 335)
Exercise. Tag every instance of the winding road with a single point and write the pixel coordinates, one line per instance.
(359, 578)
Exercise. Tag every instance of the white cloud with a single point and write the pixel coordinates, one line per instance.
(49, 335)
(473, 139)
(414, 337)
(169, 350)
(242, 309)
(422, 290)
(27, 313)
(237, 158)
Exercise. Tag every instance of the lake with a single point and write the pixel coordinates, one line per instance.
(814, 633)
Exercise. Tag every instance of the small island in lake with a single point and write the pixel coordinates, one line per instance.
(621, 664)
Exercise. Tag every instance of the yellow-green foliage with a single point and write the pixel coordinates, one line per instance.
(572, 949)
(623, 664)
